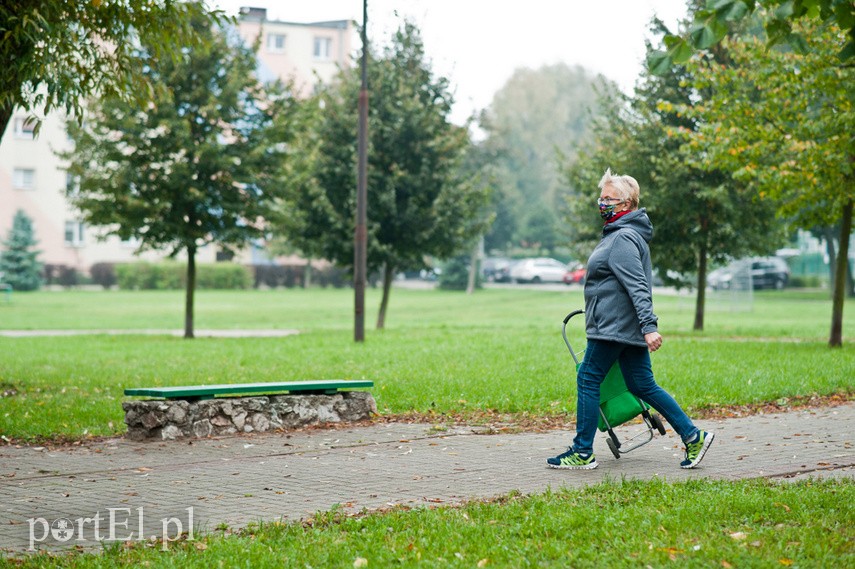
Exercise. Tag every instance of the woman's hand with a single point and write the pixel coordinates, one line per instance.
(654, 341)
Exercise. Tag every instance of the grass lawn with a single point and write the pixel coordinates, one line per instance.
(446, 354)
(754, 523)
(442, 353)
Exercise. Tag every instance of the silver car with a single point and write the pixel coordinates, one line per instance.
(539, 270)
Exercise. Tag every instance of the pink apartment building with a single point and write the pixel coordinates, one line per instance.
(34, 179)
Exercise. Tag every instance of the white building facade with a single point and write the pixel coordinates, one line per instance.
(34, 179)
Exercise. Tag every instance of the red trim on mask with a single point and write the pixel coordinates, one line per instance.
(617, 216)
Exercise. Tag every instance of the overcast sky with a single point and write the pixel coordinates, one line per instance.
(478, 44)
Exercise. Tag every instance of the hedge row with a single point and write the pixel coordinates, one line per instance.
(172, 275)
(289, 276)
(167, 276)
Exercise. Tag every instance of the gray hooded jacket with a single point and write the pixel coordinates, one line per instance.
(618, 296)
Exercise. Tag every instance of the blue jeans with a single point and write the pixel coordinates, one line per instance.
(634, 361)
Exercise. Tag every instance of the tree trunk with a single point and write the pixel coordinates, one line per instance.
(388, 272)
(831, 251)
(307, 274)
(191, 288)
(473, 268)
(701, 299)
(836, 338)
(5, 119)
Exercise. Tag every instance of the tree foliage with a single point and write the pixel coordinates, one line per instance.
(57, 53)
(782, 121)
(419, 202)
(701, 216)
(537, 117)
(715, 20)
(19, 265)
(201, 164)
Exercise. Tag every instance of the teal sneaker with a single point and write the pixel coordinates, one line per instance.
(696, 450)
(572, 460)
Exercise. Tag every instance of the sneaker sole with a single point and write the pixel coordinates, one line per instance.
(591, 466)
(701, 454)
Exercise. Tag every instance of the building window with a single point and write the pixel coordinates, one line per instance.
(323, 48)
(131, 243)
(24, 178)
(72, 184)
(25, 128)
(74, 233)
(276, 43)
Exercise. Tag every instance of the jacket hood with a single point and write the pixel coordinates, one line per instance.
(636, 220)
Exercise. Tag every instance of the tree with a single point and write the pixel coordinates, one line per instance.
(56, 54)
(782, 121)
(701, 216)
(19, 265)
(781, 18)
(455, 274)
(536, 117)
(201, 164)
(419, 202)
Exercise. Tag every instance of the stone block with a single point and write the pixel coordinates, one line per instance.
(173, 419)
(202, 429)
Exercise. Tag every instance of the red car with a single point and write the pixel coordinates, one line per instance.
(575, 275)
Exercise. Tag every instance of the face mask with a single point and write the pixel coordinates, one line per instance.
(607, 208)
(607, 211)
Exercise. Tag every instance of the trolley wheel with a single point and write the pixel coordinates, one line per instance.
(613, 447)
(656, 421)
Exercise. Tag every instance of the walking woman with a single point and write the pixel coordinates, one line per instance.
(621, 327)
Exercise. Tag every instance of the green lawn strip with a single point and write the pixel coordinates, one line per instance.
(701, 523)
(70, 387)
(773, 314)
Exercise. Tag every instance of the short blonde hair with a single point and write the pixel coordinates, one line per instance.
(625, 186)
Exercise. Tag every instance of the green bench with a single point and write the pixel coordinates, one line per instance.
(198, 392)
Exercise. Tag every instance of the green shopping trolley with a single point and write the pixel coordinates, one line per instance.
(618, 405)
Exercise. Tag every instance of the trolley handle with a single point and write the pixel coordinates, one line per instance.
(564, 333)
(572, 314)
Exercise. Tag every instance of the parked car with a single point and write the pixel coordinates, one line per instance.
(538, 270)
(575, 274)
(765, 272)
(496, 269)
(503, 275)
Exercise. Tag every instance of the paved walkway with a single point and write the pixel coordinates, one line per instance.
(243, 479)
(237, 333)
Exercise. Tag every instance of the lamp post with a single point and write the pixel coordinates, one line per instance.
(360, 248)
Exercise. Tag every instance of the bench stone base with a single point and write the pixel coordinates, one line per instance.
(173, 419)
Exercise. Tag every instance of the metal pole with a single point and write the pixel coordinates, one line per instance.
(360, 248)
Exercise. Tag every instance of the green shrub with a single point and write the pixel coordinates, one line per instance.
(274, 276)
(805, 281)
(173, 276)
(455, 274)
(103, 274)
(63, 275)
(290, 276)
(223, 276)
(331, 276)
